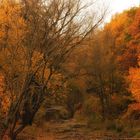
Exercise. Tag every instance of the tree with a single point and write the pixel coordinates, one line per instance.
(74, 99)
(134, 77)
(121, 28)
(33, 48)
(106, 79)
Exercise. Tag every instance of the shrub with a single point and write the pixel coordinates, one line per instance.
(110, 125)
(91, 111)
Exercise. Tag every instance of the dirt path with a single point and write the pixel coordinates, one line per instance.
(67, 130)
(43, 135)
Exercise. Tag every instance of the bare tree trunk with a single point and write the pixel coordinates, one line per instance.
(13, 134)
(2, 131)
(102, 98)
(102, 106)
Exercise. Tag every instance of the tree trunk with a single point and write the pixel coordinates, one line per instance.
(103, 108)
(2, 131)
(13, 134)
(101, 96)
(13, 137)
(108, 109)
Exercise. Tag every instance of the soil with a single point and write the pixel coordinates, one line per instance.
(65, 130)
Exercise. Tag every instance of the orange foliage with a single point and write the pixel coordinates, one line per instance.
(4, 98)
(126, 32)
(134, 28)
(12, 30)
(135, 83)
(134, 77)
(12, 25)
(134, 73)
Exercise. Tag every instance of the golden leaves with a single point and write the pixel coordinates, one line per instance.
(12, 25)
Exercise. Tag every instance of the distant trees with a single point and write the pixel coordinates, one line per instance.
(36, 37)
(134, 72)
(115, 57)
(134, 86)
(74, 99)
(120, 27)
(105, 79)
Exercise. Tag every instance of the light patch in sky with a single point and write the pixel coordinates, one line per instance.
(117, 6)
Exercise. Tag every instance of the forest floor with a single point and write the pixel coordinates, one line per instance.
(68, 130)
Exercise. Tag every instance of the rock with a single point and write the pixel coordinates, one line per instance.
(56, 113)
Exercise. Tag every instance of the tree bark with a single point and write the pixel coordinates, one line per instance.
(13, 135)
(2, 131)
